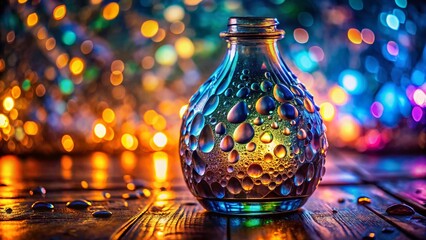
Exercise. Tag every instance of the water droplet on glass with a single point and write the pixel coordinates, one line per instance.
(251, 146)
(264, 105)
(227, 143)
(266, 86)
(287, 111)
(228, 92)
(244, 77)
(199, 164)
(243, 133)
(192, 142)
(211, 105)
(234, 186)
(213, 120)
(286, 131)
(197, 124)
(309, 105)
(301, 134)
(238, 113)
(364, 200)
(293, 122)
(102, 214)
(286, 187)
(42, 206)
(266, 137)
(282, 93)
(245, 71)
(299, 92)
(280, 151)
(243, 92)
(400, 210)
(38, 191)
(254, 170)
(206, 140)
(233, 156)
(299, 178)
(268, 157)
(247, 184)
(217, 190)
(230, 169)
(8, 210)
(220, 128)
(274, 125)
(310, 172)
(258, 121)
(240, 174)
(265, 178)
(79, 204)
(255, 86)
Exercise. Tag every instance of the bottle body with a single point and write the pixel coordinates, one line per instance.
(252, 140)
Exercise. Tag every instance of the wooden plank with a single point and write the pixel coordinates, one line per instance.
(412, 192)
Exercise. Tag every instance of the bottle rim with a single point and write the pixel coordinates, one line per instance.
(252, 27)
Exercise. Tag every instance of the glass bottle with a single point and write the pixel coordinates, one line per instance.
(252, 140)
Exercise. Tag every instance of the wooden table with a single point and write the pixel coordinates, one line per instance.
(171, 212)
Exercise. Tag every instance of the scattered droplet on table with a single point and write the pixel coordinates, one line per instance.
(341, 200)
(400, 210)
(364, 200)
(370, 236)
(144, 192)
(130, 196)
(8, 210)
(106, 195)
(84, 184)
(42, 206)
(79, 204)
(38, 191)
(102, 214)
(388, 230)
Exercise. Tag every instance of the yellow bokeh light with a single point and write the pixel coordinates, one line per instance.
(160, 139)
(4, 121)
(67, 143)
(160, 165)
(13, 114)
(22, 1)
(95, 2)
(111, 11)
(2, 65)
(184, 47)
(108, 115)
(66, 162)
(148, 62)
(161, 34)
(30, 128)
(117, 65)
(8, 103)
(59, 12)
(177, 27)
(99, 130)
(128, 161)
(149, 115)
(349, 129)
(32, 19)
(149, 28)
(192, 2)
(16, 92)
(327, 111)
(338, 95)
(354, 35)
(159, 123)
(183, 110)
(129, 141)
(76, 65)
(174, 13)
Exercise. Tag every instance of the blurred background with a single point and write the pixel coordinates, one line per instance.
(115, 76)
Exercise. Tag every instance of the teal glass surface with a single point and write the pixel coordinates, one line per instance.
(252, 140)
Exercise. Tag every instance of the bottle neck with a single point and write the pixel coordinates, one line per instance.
(255, 51)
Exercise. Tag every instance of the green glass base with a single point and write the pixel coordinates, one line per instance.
(253, 207)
